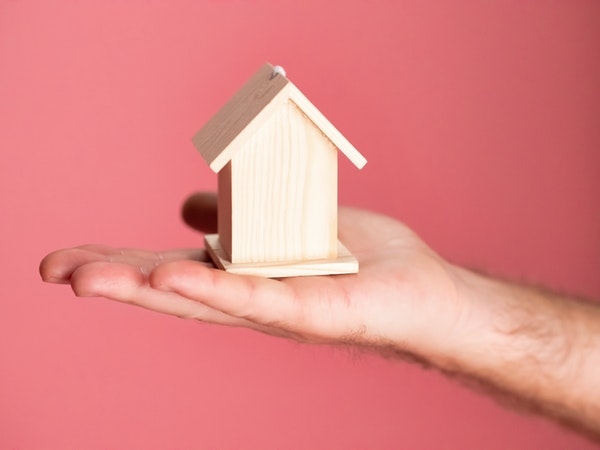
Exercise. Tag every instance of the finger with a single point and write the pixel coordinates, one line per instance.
(58, 266)
(127, 284)
(148, 258)
(125, 254)
(262, 301)
(200, 212)
(98, 248)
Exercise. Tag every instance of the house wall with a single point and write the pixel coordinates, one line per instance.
(284, 192)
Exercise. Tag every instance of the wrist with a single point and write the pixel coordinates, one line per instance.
(483, 315)
(504, 324)
(537, 345)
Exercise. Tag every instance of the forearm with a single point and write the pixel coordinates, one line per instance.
(539, 348)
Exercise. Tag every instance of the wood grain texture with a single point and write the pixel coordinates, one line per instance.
(244, 114)
(325, 126)
(344, 263)
(284, 192)
(239, 118)
(276, 155)
(224, 211)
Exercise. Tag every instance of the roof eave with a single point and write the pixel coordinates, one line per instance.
(235, 123)
(326, 127)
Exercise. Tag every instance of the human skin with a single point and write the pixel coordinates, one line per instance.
(519, 343)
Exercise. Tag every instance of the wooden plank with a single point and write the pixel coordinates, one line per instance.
(344, 263)
(228, 130)
(284, 192)
(325, 126)
(277, 158)
(224, 208)
(239, 118)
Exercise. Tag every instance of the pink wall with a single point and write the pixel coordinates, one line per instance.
(481, 123)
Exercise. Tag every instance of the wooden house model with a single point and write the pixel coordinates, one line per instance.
(276, 159)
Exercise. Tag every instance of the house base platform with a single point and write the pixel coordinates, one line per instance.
(344, 263)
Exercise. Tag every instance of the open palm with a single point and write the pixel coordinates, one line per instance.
(402, 292)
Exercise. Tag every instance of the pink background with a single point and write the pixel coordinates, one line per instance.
(481, 123)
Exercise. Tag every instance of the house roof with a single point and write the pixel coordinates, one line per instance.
(230, 128)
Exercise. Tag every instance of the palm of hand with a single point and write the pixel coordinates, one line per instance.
(402, 287)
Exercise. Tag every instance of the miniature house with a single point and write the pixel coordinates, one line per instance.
(276, 159)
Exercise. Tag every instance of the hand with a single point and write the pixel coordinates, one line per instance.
(538, 348)
(404, 296)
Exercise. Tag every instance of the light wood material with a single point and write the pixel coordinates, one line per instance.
(224, 208)
(239, 118)
(276, 156)
(344, 263)
(283, 193)
(229, 129)
(325, 126)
